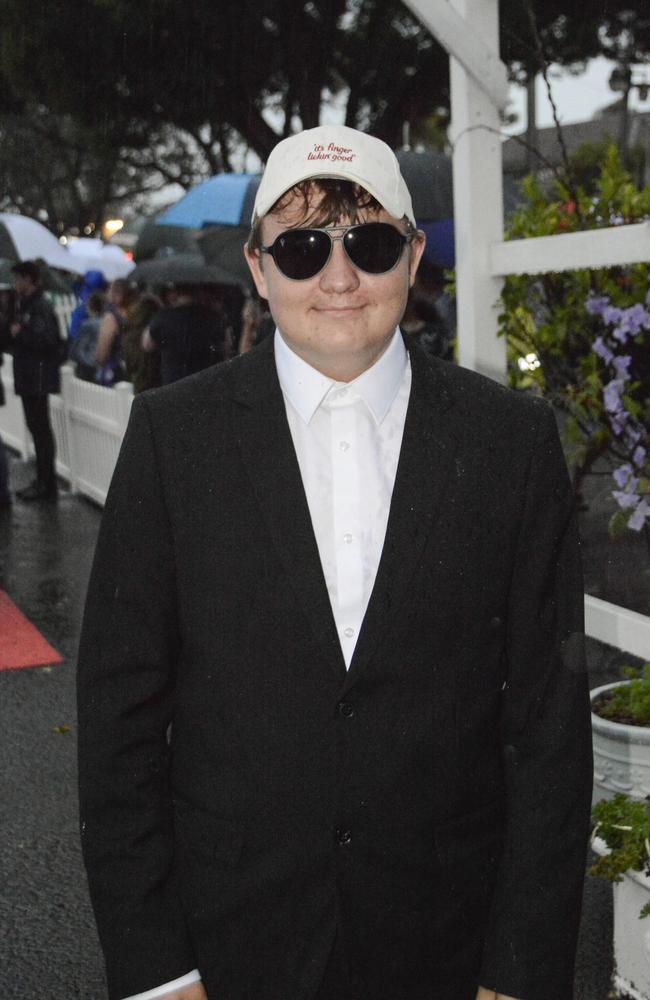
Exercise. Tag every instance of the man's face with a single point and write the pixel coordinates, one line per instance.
(341, 320)
(23, 284)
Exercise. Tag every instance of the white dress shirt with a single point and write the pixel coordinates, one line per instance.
(347, 437)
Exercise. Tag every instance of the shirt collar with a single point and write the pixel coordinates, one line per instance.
(306, 388)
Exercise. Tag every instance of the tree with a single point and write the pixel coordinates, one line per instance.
(534, 35)
(223, 71)
(72, 176)
(625, 38)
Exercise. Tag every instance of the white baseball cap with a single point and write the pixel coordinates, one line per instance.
(335, 151)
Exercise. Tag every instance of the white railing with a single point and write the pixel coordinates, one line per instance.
(88, 421)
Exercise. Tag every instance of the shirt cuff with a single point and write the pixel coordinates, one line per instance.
(162, 991)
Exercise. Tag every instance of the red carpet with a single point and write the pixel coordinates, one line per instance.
(21, 644)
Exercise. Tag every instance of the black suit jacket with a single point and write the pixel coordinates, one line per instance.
(244, 798)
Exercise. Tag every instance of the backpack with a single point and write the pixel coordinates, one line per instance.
(84, 346)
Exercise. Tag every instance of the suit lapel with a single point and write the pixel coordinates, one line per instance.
(261, 429)
(426, 458)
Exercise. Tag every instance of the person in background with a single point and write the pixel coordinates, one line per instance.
(190, 336)
(5, 494)
(36, 349)
(426, 320)
(93, 281)
(256, 324)
(83, 349)
(142, 367)
(115, 321)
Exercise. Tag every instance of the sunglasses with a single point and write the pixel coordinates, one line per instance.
(373, 247)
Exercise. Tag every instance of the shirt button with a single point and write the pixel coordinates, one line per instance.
(348, 632)
(347, 538)
(346, 709)
(342, 393)
(343, 446)
(343, 837)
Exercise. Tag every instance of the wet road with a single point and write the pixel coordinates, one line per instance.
(48, 943)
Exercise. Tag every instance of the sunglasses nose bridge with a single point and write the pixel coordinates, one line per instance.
(341, 238)
(339, 271)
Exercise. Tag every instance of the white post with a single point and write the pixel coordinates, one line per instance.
(124, 392)
(478, 202)
(67, 375)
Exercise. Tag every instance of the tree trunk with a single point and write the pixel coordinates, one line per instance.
(531, 122)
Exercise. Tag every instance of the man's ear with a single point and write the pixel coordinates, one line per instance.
(254, 261)
(416, 247)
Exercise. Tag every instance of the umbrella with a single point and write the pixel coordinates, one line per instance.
(22, 238)
(225, 198)
(428, 177)
(224, 246)
(181, 269)
(95, 255)
(158, 240)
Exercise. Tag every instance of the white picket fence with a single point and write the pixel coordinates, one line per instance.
(88, 423)
(88, 420)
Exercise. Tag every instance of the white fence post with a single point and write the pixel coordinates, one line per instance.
(124, 391)
(67, 375)
(12, 421)
(478, 202)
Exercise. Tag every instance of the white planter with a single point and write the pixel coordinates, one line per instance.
(621, 756)
(631, 934)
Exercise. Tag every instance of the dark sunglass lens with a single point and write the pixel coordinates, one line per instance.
(301, 253)
(374, 247)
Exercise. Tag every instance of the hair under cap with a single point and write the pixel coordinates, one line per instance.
(335, 151)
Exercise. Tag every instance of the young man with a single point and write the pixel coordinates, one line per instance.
(333, 715)
(36, 351)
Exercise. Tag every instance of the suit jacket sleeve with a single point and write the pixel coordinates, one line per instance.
(126, 678)
(546, 743)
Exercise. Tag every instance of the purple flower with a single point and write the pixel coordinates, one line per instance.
(602, 350)
(637, 318)
(618, 425)
(637, 520)
(612, 315)
(622, 366)
(625, 500)
(639, 457)
(597, 303)
(612, 396)
(622, 475)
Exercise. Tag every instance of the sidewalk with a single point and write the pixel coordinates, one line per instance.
(48, 941)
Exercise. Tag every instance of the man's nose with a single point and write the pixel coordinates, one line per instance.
(339, 274)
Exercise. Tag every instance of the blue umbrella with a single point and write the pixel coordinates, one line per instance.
(224, 199)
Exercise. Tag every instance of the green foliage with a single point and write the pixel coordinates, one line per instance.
(545, 317)
(242, 68)
(629, 703)
(624, 825)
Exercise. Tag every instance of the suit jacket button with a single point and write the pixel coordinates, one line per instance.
(495, 622)
(343, 837)
(346, 709)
